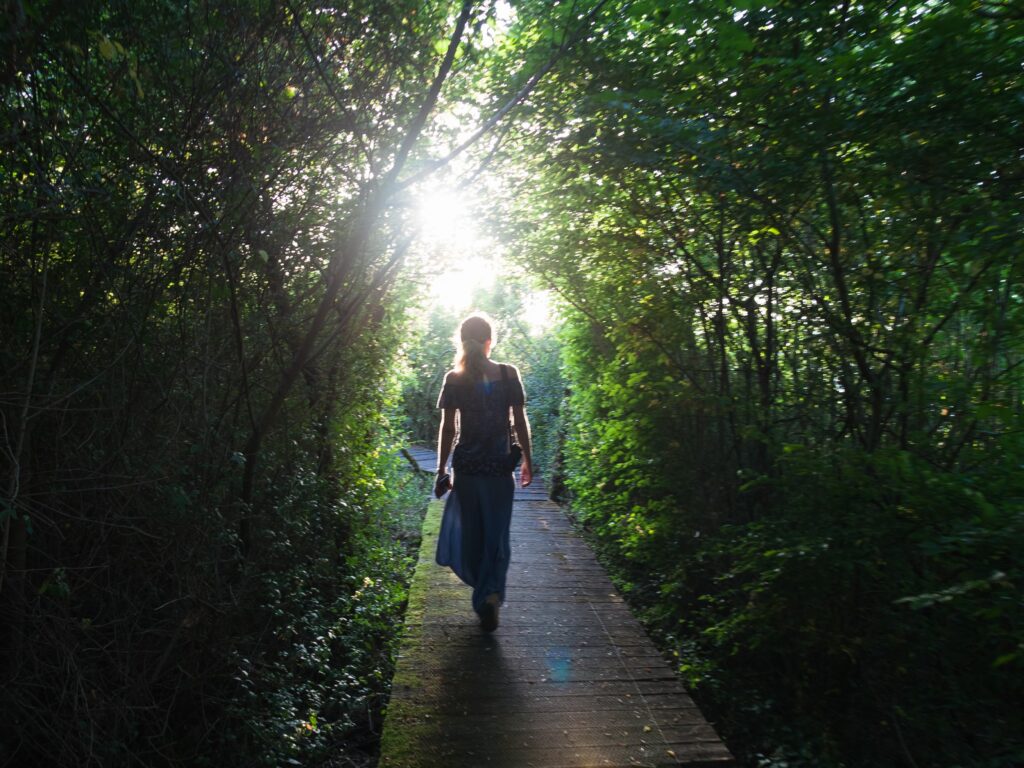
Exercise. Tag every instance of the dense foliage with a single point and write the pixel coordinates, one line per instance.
(203, 217)
(787, 236)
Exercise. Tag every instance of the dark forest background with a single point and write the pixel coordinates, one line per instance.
(783, 395)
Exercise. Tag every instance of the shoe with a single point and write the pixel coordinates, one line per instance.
(489, 613)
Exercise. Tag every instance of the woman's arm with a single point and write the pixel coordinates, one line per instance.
(445, 437)
(522, 427)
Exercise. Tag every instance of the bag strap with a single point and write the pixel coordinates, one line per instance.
(508, 404)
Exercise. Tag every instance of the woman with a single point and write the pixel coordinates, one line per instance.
(475, 402)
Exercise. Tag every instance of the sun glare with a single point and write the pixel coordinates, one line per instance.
(538, 312)
(460, 259)
(445, 222)
(456, 288)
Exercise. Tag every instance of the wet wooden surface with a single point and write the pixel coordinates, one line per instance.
(568, 680)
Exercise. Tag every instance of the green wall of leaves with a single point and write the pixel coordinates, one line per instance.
(786, 237)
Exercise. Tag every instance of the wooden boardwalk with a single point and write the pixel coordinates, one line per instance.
(569, 679)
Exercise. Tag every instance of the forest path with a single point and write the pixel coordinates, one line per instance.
(569, 679)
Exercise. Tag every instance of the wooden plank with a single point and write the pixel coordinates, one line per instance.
(569, 679)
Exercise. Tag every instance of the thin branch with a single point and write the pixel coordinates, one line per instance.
(14, 481)
(420, 120)
(513, 102)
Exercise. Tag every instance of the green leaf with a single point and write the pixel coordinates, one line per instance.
(107, 49)
(734, 38)
(1005, 659)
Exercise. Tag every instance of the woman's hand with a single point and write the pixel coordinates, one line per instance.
(525, 474)
(443, 484)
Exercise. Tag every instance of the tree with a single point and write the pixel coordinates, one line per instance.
(789, 261)
(204, 221)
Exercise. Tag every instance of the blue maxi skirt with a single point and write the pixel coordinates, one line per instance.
(473, 540)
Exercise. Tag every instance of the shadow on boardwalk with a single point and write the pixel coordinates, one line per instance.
(569, 679)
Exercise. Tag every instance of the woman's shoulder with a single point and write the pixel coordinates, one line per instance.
(511, 369)
(457, 378)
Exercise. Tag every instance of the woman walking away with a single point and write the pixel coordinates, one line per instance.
(475, 402)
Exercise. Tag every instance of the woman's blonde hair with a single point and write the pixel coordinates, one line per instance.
(469, 344)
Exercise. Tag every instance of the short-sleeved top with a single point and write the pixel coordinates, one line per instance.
(483, 410)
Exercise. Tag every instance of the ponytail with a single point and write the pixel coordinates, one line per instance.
(473, 335)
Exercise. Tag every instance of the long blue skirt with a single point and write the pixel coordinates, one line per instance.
(473, 540)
